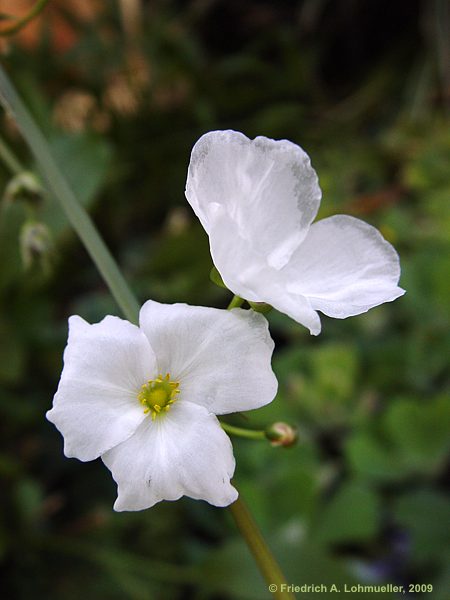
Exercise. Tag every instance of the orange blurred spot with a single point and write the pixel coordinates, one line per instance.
(63, 33)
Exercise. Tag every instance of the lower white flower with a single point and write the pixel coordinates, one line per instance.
(145, 398)
(257, 200)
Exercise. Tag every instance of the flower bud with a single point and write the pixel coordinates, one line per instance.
(24, 187)
(35, 245)
(282, 434)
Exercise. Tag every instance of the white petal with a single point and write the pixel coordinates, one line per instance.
(184, 452)
(96, 405)
(222, 359)
(267, 187)
(344, 267)
(240, 266)
(247, 275)
(295, 306)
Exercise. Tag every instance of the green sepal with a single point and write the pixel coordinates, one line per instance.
(215, 277)
(281, 434)
(260, 307)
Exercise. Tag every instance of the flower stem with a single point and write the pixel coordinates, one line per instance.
(250, 434)
(76, 214)
(236, 301)
(258, 547)
(247, 526)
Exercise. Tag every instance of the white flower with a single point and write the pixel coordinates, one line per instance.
(145, 398)
(256, 200)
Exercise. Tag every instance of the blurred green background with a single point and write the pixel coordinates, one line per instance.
(123, 90)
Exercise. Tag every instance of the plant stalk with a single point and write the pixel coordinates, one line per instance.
(258, 547)
(250, 434)
(248, 528)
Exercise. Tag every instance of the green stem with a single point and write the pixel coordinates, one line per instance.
(250, 434)
(9, 159)
(247, 526)
(15, 27)
(236, 301)
(258, 547)
(76, 214)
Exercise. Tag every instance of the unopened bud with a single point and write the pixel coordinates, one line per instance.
(260, 307)
(282, 434)
(35, 245)
(24, 187)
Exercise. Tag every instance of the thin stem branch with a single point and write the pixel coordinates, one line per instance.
(236, 301)
(250, 434)
(21, 22)
(258, 547)
(76, 214)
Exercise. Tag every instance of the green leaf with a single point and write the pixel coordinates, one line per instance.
(294, 491)
(231, 570)
(352, 515)
(426, 515)
(334, 368)
(370, 459)
(84, 160)
(421, 431)
(321, 382)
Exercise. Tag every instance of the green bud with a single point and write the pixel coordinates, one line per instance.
(24, 187)
(216, 278)
(282, 434)
(260, 307)
(36, 245)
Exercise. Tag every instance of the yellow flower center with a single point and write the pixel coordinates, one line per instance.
(157, 395)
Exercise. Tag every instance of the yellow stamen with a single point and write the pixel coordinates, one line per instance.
(157, 395)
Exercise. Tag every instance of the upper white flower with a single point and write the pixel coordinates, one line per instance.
(145, 398)
(256, 200)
